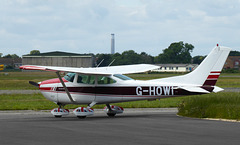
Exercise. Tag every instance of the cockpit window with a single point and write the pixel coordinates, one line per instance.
(122, 77)
(105, 80)
(86, 79)
(69, 77)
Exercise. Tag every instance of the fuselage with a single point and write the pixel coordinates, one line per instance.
(85, 89)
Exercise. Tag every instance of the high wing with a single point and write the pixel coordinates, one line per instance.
(122, 69)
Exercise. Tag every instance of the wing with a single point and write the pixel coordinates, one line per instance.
(122, 69)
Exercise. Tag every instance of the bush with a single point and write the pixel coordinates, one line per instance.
(231, 70)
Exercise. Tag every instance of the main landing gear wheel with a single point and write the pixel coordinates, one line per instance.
(112, 110)
(111, 114)
(58, 116)
(81, 117)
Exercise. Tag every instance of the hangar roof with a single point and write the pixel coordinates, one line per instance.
(58, 54)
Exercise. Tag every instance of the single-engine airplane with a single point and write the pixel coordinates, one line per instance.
(106, 85)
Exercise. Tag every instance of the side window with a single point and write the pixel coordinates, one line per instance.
(69, 77)
(105, 80)
(86, 79)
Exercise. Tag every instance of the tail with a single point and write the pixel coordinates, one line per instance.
(206, 74)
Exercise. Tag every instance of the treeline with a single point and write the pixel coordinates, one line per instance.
(9, 56)
(177, 53)
(127, 57)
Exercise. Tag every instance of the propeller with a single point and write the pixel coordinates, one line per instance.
(34, 83)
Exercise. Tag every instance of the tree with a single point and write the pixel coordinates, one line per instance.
(126, 58)
(146, 58)
(177, 52)
(15, 56)
(105, 58)
(234, 53)
(198, 59)
(34, 52)
(130, 57)
(7, 56)
(11, 56)
(1, 55)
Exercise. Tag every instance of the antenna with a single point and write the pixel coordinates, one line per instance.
(111, 63)
(100, 63)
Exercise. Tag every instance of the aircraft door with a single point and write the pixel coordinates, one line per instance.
(84, 88)
(106, 90)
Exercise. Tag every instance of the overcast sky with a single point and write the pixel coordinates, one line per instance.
(85, 26)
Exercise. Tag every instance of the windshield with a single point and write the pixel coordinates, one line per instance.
(122, 77)
(69, 77)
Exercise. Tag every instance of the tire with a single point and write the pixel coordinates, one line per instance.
(81, 117)
(111, 114)
(58, 116)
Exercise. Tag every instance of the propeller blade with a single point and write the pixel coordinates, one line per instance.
(34, 83)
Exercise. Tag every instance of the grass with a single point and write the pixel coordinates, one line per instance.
(24, 102)
(229, 81)
(38, 102)
(220, 105)
(19, 80)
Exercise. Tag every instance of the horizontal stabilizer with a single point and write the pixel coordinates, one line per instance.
(217, 89)
(195, 89)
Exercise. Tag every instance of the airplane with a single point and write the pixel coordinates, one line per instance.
(107, 85)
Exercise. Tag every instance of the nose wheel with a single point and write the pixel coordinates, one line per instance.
(59, 112)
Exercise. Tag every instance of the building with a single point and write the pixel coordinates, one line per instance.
(58, 58)
(232, 62)
(176, 67)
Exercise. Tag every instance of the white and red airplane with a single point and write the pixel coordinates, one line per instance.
(106, 85)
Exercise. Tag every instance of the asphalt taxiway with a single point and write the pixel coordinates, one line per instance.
(134, 126)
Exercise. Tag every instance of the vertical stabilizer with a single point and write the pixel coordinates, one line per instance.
(207, 73)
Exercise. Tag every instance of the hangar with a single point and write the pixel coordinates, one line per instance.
(176, 67)
(58, 58)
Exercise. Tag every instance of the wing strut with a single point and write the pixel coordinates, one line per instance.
(64, 86)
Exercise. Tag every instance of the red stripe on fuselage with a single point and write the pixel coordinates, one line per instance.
(120, 91)
(45, 88)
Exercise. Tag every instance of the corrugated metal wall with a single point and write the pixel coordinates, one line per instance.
(60, 61)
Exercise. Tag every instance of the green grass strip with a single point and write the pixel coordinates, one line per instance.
(38, 102)
(19, 80)
(223, 105)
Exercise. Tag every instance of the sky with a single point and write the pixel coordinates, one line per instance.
(85, 26)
